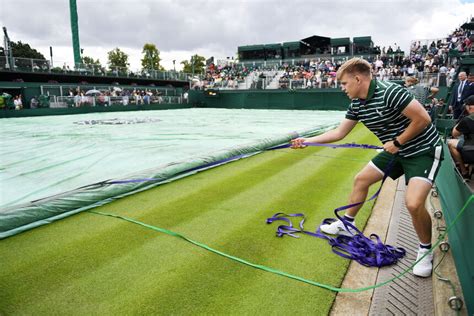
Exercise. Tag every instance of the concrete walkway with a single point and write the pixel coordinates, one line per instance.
(413, 295)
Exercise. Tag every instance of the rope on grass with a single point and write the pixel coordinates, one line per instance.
(223, 161)
(282, 273)
(368, 251)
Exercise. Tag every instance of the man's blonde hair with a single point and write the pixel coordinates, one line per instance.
(355, 66)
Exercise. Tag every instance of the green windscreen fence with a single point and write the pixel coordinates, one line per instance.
(453, 195)
(340, 41)
(56, 166)
(250, 48)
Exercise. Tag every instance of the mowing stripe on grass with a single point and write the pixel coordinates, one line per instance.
(275, 271)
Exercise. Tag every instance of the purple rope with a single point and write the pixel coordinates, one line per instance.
(368, 251)
(349, 145)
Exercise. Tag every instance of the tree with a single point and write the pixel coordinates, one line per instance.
(20, 50)
(151, 57)
(117, 58)
(196, 65)
(90, 61)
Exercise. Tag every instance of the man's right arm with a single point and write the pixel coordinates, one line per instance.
(328, 137)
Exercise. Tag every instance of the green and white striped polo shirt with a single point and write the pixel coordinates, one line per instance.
(382, 114)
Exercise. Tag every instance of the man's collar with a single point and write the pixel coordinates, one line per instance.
(370, 94)
(373, 85)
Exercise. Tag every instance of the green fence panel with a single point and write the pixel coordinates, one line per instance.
(327, 99)
(453, 195)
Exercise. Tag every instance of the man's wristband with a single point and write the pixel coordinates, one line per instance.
(396, 143)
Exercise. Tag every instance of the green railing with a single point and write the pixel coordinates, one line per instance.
(44, 66)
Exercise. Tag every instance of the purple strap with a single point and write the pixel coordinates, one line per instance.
(369, 251)
(348, 145)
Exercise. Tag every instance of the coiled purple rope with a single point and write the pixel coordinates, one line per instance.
(368, 251)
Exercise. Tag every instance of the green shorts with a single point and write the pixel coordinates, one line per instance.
(424, 166)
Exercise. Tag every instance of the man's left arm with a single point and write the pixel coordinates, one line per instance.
(419, 120)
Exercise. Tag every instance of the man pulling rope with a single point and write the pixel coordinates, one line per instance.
(409, 139)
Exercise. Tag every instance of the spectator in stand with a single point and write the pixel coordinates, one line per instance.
(462, 145)
(101, 99)
(84, 99)
(146, 97)
(18, 103)
(378, 64)
(125, 97)
(185, 97)
(34, 102)
(443, 72)
(469, 88)
(435, 108)
(451, 75)
(77, 98)
(459, 95)
(421, 93)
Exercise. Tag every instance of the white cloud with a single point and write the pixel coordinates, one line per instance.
(181, 28)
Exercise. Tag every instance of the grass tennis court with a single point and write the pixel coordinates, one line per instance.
(91, 264)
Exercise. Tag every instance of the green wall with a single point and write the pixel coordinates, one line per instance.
(454, 194)
(318, 99)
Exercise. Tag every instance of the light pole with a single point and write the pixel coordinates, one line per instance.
(174, 66)
(51, 55)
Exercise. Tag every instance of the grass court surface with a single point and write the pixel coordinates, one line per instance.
(90, 264)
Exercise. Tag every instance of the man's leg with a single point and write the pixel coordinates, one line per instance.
(416, 194)
(362, 181)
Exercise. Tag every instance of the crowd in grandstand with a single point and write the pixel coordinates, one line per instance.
(77, 97)
(429, 60)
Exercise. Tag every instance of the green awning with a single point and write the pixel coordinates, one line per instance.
(362, 40)
(273, 46)
(291, 45)
(340, 41)
(250, 48)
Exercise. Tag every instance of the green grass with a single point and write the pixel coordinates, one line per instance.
(91, 264)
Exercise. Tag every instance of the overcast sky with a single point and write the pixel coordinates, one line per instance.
(181, 28)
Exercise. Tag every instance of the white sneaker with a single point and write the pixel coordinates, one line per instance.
(425, 266)
(338, 228)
